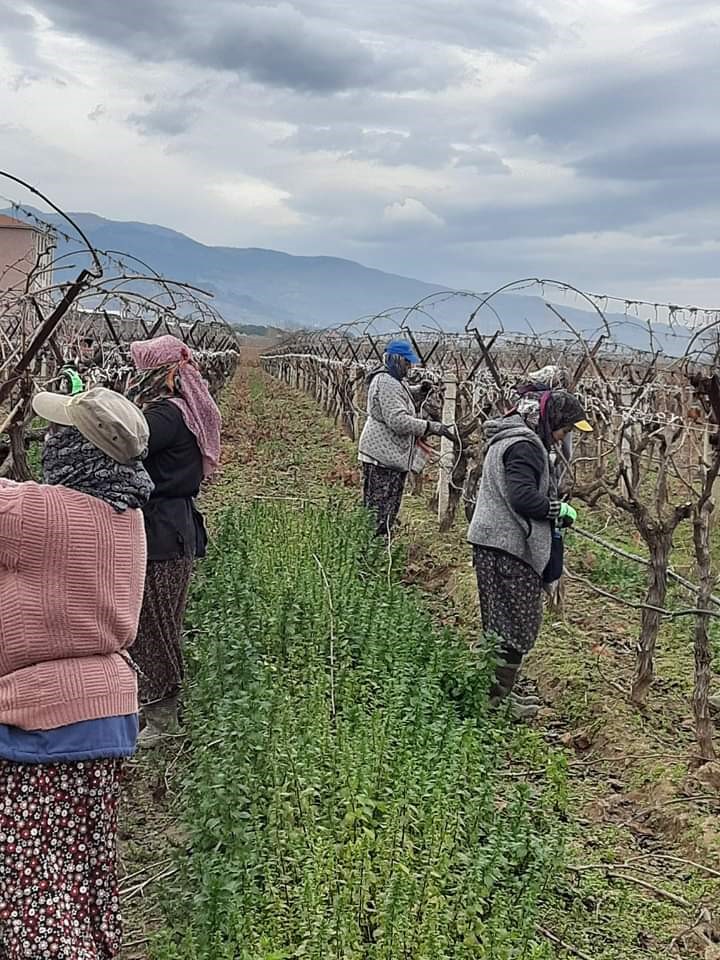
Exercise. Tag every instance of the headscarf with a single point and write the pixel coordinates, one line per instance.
(168, 371)
(550, 377)
(546, 411)
(71, 460)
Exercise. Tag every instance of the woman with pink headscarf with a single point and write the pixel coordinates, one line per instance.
(184, 449)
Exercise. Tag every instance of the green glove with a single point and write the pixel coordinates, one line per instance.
(74, 380)
(567, 515)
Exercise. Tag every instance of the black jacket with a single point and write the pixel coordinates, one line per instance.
(525, 463)
(173, 525)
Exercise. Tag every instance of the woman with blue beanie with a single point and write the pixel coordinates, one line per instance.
(391, 432)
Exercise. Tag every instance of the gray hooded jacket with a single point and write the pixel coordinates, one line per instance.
(392, 428)
(495, 524)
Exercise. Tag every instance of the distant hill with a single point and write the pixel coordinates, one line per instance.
(268, 288)
(256, 286)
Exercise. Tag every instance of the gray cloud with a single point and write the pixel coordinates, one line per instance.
(389, 147)
(686, 160)
(481, 159)
(165, 119)
(510, 26)
(420, 148)
(662, 84)
(600, 210)
(13, 21)
(273, 44)
(427, 136)
(142, 27)
(170, 114)
(17, 36)
(278, 46)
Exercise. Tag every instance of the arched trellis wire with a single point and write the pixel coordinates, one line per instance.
(444, 296)
(516, 285)
(112, 299)
(136, 292)
(97, 272)
(655, 452)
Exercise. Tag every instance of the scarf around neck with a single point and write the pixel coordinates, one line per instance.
(68, 459)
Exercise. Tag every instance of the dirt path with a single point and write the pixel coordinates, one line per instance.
(629, 805)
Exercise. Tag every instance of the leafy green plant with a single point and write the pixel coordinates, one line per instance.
(34, 458)
(345, 796)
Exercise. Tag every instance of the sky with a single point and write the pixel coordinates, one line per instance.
(463, 142)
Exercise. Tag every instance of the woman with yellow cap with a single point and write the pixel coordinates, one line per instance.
(516, 529)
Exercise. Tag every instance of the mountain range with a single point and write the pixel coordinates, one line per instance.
(270, 288)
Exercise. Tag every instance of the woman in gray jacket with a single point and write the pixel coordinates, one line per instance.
(391, 432)
(516, 527)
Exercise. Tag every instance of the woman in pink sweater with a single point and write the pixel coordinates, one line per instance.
(72, 566)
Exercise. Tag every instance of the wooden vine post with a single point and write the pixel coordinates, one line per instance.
(356, 390)
(702, 646)
(447, 449)
(709, 389)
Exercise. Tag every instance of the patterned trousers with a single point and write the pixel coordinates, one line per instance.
(510, 601)
(382, 495)
(158, 648)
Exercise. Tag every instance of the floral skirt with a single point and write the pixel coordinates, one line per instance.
(58, 876)
(157, 651)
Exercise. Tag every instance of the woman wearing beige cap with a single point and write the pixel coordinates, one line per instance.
(72, 567)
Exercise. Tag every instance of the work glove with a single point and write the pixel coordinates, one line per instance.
(435, 429)
(567, 515)
(72, 381)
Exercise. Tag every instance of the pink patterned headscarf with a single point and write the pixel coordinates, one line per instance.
(198, 408)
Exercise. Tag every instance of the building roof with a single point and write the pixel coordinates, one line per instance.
(12, 224)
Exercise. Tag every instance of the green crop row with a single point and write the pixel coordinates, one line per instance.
(348, 794)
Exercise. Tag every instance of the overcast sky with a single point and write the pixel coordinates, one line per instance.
(466, 142)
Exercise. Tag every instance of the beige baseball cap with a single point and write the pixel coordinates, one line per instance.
(107, 419)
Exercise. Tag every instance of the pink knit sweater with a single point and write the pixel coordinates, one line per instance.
(72, 573)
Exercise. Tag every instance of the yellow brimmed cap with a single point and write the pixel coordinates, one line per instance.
(583, 426)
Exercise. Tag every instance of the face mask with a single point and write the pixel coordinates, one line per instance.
(397, 367)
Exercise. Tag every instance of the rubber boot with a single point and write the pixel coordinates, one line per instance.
(521, 708)
(526, 699)
(161, 722)
(505, 677)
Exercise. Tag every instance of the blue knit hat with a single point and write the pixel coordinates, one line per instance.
(401, 348)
